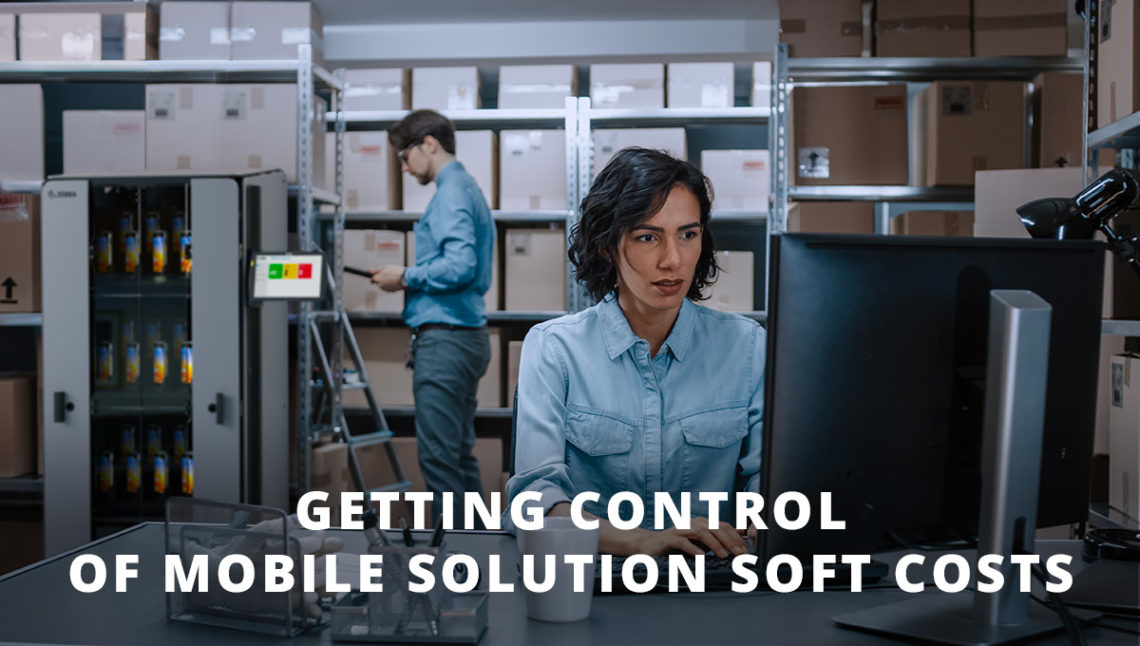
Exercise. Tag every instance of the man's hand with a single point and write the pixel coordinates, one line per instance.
(389, 278)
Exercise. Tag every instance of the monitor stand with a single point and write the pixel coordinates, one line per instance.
(1018, 359)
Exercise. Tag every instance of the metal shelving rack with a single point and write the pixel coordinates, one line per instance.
(890, 200)
(302, 71)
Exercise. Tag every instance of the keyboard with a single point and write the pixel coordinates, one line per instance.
(719, 575)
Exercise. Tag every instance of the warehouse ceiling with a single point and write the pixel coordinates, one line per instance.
(364, 12)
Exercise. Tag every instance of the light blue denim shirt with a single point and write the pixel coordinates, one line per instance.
(454, 240)
(597, 413)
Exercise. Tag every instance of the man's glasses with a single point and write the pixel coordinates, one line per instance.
(403, 154)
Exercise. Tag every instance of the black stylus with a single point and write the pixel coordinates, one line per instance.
(358, 272)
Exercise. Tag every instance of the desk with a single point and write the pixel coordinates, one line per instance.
(38, 605)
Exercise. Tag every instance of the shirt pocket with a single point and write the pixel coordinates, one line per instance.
(712, 448)
(597, 452)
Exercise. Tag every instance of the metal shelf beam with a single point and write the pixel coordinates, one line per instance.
(488, 116)
(1120, 328)
(802, 70)
(679, 116)
(408, 411)
(492, 317)
(379, 217)
(882, 193)
(159, 71)
(1124, 133)
(21, 320)
(22, 485)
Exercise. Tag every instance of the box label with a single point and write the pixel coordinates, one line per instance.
(1105, 20)
(814, 162)
(1118, 385)
(235, 104)
(957, 100)
(519, 244)
(890, 103)
(160, 105)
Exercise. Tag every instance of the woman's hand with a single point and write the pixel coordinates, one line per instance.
(723, 540)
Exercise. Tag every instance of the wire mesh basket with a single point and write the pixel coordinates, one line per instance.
(211, 537)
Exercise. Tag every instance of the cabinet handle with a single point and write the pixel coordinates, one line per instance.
(218, 409)
(61, 406)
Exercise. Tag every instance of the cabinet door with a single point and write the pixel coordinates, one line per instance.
(215, 287)
(67, 365)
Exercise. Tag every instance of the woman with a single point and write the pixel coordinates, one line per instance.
(645, 391)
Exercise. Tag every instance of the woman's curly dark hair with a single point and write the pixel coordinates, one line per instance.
(631, 189)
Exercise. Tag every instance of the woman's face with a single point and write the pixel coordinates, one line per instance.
(657, 258)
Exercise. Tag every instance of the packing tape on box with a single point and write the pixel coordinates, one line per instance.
(242, 34)
(372, 89)
(78, 45)
(220, 36)
(931, 23)
(172, 34)
(535, 88)
(1036, 21)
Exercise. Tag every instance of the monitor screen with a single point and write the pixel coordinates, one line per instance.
(876, 372)
(287, 276)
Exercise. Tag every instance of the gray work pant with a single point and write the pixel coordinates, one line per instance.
(448, 366)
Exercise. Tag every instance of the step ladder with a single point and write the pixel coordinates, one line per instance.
(326, 394)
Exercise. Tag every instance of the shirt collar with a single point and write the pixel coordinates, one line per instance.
(619, 337)
(452, 168)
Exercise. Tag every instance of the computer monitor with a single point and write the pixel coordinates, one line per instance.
(875, 381)
(289, 276)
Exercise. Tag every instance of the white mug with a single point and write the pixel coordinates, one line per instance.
(559, 536)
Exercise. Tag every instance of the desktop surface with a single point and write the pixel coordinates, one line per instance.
(38, 605)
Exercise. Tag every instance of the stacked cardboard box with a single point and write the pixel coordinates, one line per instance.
(377, 89)
(814, 28)
(478, 151)
(273, 30)
(733, 289)
(385, 351)
(1124, 438)
(1058, 99)
(371, 172)
(104, 140)
(445, 88)
(7, 37)
(514, 354)
(17, 425)
(22, 131)
(955, 224)
(19, 253)
(741, 179)
(536, 86)
(967, 126)
(330, 473)
(195, 31)
(922, 28)
(624, 85)
(80, 31)
(1020, 28)
(535, 277)
(700, 85)
(368, 249)
(1118, 76)
(831, 217)
(762, 84)
(532, 170)
(850, 135)
(608, 142)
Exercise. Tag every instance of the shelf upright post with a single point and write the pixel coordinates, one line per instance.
(573, 169)
(337, 358)
(778, 156)
(305, 233)
(1089, 157)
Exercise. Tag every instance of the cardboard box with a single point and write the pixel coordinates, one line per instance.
(536, 86)
(814, 28)
(514, 354)
(445, 88)
(967, 126)
(954, 224)
(608, 142)
(535, 277)
(331, 474)
(385, 352)
(1058, 99)
(17, 426)
(259, 129)
(7, 37)
(272, 30)
(478, 151)
(532, 170)
(490, 391)
(22, 131)
(1124, 437)
(140, 29)
(184, 126)
(700, 85)
(626, 85)
(734, 288)
(104, 140)
(831, 217)
(1020, 28)
(377, 469)
(922, 28)
(367, 249)
(61, 37)
(23, 544)
(377, 89)
(850, 135)
(762, 84)
(371, 172)
(741, 179)
(491, 297)
(1118, 86)
(195, 31)
(1110, 346)
(19, 253)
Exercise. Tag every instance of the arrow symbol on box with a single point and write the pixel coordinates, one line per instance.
(8, 284)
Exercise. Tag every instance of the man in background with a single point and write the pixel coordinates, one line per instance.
(444, 304)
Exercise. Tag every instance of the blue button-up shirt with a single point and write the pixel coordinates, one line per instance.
(597, 413)
(454, 241)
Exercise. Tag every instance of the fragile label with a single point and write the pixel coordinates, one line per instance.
(814, 162)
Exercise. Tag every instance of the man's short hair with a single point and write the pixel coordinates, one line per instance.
(412, 129)
(631, 189)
